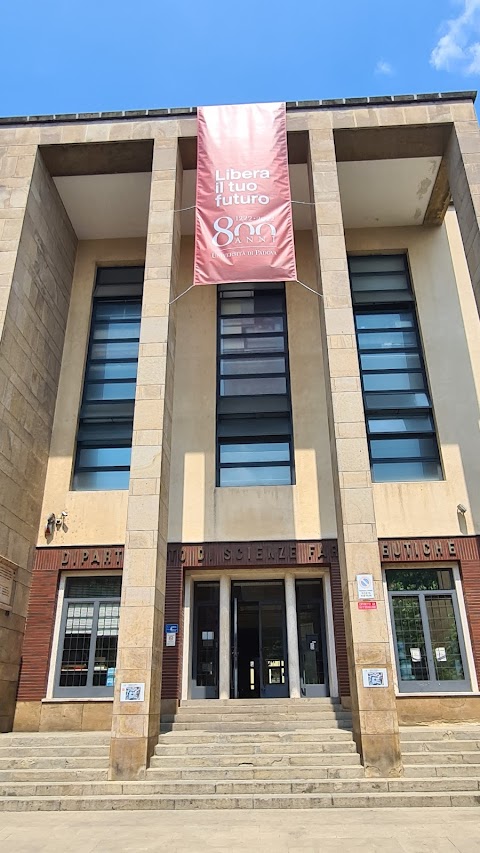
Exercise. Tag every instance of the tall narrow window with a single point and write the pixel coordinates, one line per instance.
(254, 422)
(104, 438)
(398, 407)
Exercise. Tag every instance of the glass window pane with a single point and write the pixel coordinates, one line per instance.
(112, 370)
(251, 325)
(396, 448)
(385, 320)
(94, 586)
(376, 263)
(106, 643)
(76, 645)
(255, 452)
(390, 361)
(101, 457)
(274, 475)
(116, 331)
(397, 472)
(393, 381)
(117, 310)
(383, 281)
(237, 306)
(94, 481)
(396, 401)
(232, 366)
(447, 658)
(421, 423)
(405, 580)
(410, 638)
(386, 340)
(252, 345)
(108, 433)
(114, 350)
(110, 391)
(239, 387)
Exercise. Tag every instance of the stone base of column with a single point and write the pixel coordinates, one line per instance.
(130, 757)
(380, 753)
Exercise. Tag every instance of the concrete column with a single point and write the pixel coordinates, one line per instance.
(224, 638)
(292, 636)
(463, 162)
(375, 723)
(136, 725)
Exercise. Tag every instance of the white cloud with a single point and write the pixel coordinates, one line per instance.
(383, 67)
(459, 47)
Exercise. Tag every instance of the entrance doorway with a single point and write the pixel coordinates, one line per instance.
(259, 641)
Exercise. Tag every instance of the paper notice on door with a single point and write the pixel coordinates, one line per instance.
(440, 653)
(416, 655)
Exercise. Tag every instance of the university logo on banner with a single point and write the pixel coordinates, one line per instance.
(243, 227)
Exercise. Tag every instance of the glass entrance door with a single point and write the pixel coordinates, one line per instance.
(311, 638)
(259, 642)
(205, 641)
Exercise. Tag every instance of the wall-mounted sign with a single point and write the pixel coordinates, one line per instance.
(375, 677)
(7, 583)
(243, 226)
(132, 692)
(170, 638)
(367, 605)
(171, 628)
(365, 586)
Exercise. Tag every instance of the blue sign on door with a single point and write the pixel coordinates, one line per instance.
(171, 628)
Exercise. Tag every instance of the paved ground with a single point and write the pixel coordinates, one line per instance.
(321, 831)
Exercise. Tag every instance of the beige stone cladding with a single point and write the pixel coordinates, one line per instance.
(136, 725)
(450, 333)
(37, 252)
(94, 518)
(198, 511)
(84, 716)
(374, 713)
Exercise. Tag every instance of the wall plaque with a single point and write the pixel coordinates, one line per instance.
(7, 583)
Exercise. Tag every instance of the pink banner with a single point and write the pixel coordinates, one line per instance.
(243, 228)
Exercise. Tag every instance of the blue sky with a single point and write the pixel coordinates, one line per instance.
(91, 55)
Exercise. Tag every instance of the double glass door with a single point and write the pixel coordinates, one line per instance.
(259, 642)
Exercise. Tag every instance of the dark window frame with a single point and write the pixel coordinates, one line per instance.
(405, 302)
(254, 413)
(90, 413)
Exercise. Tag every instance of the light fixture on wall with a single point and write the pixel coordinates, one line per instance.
(461, 509)
(54, 521)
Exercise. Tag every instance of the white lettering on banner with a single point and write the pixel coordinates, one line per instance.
(234, 235)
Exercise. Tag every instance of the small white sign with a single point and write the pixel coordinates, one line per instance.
(132, 692)
(365, 586)
(441, 653)
(416, 655)
(170, 638)
(7, 583)
(375, 678)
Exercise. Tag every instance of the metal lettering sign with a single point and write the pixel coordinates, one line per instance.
(7, 583)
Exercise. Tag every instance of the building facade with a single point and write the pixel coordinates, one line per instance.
(196, 483)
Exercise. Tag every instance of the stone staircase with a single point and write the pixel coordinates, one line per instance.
(241, 754)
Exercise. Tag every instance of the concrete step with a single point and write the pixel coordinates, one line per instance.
(258, 703)
(427, 733)
(245, 801)
(85, 774)
(257, 786)
(53, 751)
(284, 759)
(252, 748)
(35, 763)
(45, 739)
(253, 726)
(274, 717)
(281, 737)
(255, 772)
(443, 771)
(446, 757)
(441, 746)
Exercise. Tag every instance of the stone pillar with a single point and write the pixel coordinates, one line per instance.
(224, 638)
(375, 723)
(292, 636)
(136, 725)
(463, 162)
